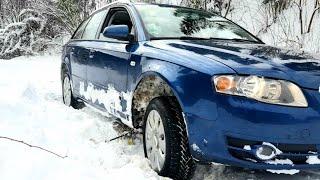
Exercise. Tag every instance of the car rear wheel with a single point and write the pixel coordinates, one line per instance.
(67, 95)
(165, 139)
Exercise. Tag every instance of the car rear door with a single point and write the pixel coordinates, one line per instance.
(78, 58)
(89, 39)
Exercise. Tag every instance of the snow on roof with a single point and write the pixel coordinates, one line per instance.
(104, 4)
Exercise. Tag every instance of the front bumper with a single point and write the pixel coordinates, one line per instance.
(220, 134)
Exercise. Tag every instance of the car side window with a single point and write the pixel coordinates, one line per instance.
(79, 32)
(118, 16)
(92, 28)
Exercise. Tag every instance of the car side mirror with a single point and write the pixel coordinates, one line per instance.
(119, 32)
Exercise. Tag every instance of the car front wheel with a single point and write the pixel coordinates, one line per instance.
(165, 139)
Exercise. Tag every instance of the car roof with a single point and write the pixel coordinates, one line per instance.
(128, 2)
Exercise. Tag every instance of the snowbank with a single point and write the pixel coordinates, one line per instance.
(31, 110)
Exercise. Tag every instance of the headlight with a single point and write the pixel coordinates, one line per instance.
(262, 89)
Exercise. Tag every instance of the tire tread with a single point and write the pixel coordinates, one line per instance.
(180, 164)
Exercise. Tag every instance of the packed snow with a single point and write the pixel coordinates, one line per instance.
(247, 147)
(196, 148)
(31, 110)
(289, 172)
(313, 160)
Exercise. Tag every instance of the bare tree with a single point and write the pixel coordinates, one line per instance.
(305, 24)
(228, 8)
(315, 10)
(1, 15)
(67, 13)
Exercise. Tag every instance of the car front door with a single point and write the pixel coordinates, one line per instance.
(109, 67)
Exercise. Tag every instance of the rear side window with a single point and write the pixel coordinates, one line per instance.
(92, 28)
(78, 33)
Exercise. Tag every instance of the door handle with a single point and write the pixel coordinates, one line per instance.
(91, 53)
(72, 51)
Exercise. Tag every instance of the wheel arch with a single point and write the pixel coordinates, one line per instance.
(65, 66)
(143, 81)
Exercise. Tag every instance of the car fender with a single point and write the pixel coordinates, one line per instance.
(190, 87)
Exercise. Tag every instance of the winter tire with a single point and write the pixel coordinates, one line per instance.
(67, 95)
(165, 139)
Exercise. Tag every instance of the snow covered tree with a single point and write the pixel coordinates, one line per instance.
(21, 37)
(28, 36)
(30, 26)
(10, 10)
(67, 13)
(221, 7)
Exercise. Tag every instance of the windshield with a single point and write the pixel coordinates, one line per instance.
(176, 22)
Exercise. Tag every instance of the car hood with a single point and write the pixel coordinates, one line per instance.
(251, 59)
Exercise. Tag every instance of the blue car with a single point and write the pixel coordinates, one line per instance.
(201, 88)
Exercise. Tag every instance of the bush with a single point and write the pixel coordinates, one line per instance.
(26, 37)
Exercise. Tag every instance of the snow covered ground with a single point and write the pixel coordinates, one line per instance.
(31, 110)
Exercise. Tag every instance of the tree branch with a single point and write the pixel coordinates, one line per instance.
(228, 8)
(32, 146)
(311, 20)
(300, 17)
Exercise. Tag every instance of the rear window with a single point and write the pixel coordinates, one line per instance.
(79, 32)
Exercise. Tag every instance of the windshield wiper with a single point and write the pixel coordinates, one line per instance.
(192, 38)
(243, 40)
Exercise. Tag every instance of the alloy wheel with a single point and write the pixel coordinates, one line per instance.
(67, 95)
(155, 140)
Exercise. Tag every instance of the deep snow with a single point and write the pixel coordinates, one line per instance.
(31, 110)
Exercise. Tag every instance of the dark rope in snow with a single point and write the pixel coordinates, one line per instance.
(122, 135)
(32, 146)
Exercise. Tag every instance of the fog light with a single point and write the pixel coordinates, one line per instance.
(265, 152)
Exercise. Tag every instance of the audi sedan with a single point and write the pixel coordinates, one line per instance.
(201, 88)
